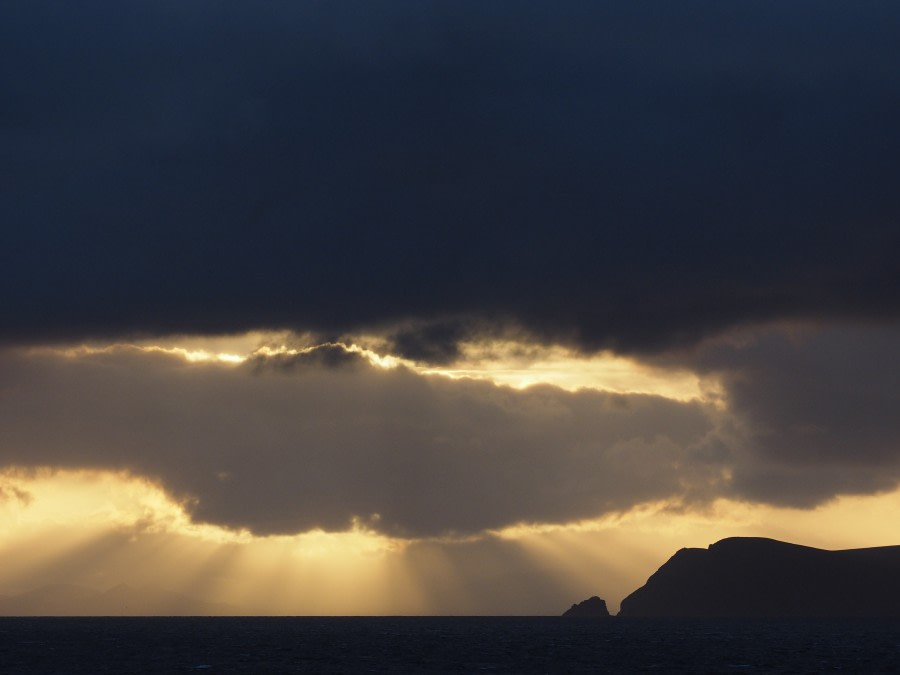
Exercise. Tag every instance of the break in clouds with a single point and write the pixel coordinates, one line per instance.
(289, 443)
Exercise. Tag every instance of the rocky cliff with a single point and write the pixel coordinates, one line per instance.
(591, 608)
(758, 577)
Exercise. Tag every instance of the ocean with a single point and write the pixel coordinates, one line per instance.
(444, 645)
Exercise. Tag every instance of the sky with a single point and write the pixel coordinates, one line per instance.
(442, 308)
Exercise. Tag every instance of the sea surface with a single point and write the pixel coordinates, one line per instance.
(445, 645)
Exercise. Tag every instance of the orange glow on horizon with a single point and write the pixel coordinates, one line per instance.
(99, 529)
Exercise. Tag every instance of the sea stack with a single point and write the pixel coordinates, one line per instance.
(591, 608)
(756, 577)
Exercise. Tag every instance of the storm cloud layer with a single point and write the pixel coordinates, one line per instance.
(290, 443)
(708, 186)
(606, 174)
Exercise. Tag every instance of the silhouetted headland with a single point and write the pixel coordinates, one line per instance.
(591, 608)
(756, 577)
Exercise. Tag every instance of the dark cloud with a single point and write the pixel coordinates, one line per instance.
(432, 342)
(607, 174)
(812, 410)
(278, 450)
(328, 355)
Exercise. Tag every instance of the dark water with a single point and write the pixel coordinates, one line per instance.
(444, 644)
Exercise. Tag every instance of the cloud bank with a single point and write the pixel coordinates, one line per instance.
(814, 409)
(599, 174)
(285, 444)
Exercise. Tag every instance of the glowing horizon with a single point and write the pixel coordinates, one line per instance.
(101, 520)
(134, 533)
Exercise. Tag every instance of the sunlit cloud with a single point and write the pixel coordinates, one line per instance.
(89, 498)
(190, 355)
(43, 496)
(515, 364)
(102, 528)
(520, 366)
